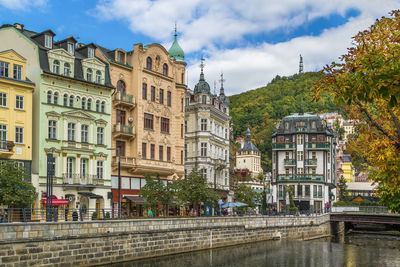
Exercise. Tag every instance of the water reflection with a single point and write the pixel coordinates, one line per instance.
(357, 251)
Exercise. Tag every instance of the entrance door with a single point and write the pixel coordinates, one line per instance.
(98, 207)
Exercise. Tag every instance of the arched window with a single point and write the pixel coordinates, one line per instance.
(149, 63)
(55, 98)
(65, 100)
(49, 95)
(83, 102)
(98, 105)
(89, 74)
(89, 104)
(67, 69)
(165, 69)
(103, 106)
(71, 101)
(56, 66)
(98, 76)
(121, 87)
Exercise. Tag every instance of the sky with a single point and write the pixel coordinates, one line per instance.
(250, 42)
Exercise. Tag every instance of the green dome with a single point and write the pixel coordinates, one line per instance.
(176, 51)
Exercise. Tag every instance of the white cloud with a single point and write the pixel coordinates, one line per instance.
(22, 4)
(208, 26)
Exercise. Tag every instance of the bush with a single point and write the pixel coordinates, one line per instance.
(293, 209)
(107, 215)
(94, 215)
(340, 203)
(312, 223)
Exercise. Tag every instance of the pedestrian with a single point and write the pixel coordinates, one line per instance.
(150, 214)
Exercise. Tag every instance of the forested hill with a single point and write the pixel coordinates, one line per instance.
(261, 109)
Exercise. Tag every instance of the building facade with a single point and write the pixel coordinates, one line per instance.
(147, 118)
(16, 92)
(207, 135)
(303, 155)
(71, 117)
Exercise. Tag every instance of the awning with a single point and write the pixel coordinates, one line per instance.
(90, 195)
(56, 201)
(135, 199)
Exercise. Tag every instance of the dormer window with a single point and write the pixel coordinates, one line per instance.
(120, 57)
(56, 66)
(89, 74)
(90, 52)
(98, 76)
(48, 41)
(70, 48)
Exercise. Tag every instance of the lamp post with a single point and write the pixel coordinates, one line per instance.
(119, 178)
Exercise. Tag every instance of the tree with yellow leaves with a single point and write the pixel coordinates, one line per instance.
(367, 83)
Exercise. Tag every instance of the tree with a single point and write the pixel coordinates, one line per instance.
(343, 193)
(152, 193)
(246, 195)
(15, 189)
(290, 190)
(337, 128)
(367, 83)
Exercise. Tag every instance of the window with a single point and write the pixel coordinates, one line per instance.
(71, 131)
(100, 169)
(144, 150)
(3, 100)
(168, 98)
(120, 145)
(70, 167)
(19, 135)
(186, 101)
(144, 90)
(307, 190)
(17, 72)
(3, 69)
(287, 171)
(168, 153)
(286, 125)
(90, 52)
(89, 104)
(56, 66)
(70, 47)
(300, 190)
(161, 152)
(164, 125)
(71, 101)
(299, 139)
(84, 133)
(83, 102)
(181, 130)
(165, 69)
(103, 107)
(299, 170)
(67, 69)
(186, 127)
(314, 190)
(181, 104)
(52, 129)
(100, 135)
(98, 76)
(299, 155)
(313, 171)
(121, 87)
(204, 173)
(121, 116)
(89, 74)
(152, 151)
(84, 168)
(186, 151)
(19, 102)
(48, 41)
(320, 190)
(55, 98)
(149, 63)
(98, 105)
(120, 57)
(148, 121)
(204, 99)
(203, 149)
(329, 157)
(313, 125)
(203, 124)
(161, 96)
(3, 136)
(181, 157)
(153, 94)
(49, 97)
(314, 155)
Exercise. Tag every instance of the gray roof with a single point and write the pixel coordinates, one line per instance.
(248, 145)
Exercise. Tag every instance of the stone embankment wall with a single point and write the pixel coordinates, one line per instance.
(104, 242)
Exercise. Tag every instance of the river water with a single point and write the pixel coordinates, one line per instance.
(355, 250)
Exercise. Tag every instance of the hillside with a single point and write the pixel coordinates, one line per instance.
(261, 109)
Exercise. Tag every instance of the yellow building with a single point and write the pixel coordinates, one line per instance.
(15, 110)
(347, 167)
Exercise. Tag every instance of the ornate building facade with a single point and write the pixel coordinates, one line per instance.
(207, 135)
(147, 118)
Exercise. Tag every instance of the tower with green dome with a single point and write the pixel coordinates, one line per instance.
(176, 51)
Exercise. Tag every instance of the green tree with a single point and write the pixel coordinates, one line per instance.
(152, 193)
(343, 193)
(246, 195)
(290, 190)
(337, 128)
(15, 189)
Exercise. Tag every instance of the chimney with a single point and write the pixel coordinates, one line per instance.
(80, 45)
(19, 26)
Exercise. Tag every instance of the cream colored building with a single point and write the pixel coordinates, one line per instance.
(147, 117)
(249, 157)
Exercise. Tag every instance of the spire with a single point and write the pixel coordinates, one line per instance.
(301, 65)
(248, 135)
(221, 92)
(201, 68)
(175, 34)
(176, 51)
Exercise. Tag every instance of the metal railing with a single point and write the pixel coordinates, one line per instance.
(6, 146)
(289, 162)
(77, 178)
(122, 128)
(310, 162)
(308, 177)
(283, 146)
(319, 145)
(126, 98)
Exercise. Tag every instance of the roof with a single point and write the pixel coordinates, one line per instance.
(363, 186)
(346, 158)
(176, 51)
(248, 145)
(304, 123)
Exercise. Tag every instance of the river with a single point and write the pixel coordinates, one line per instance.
(356, 250)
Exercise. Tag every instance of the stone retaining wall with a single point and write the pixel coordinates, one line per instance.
(103, 242)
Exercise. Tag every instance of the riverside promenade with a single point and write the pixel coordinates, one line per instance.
(104, 242)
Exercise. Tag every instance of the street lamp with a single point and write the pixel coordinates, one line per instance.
(119, 178)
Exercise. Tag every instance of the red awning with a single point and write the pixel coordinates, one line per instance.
(56, 201)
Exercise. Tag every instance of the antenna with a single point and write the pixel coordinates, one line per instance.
(301, 65)
(202, 63)
(215, 87)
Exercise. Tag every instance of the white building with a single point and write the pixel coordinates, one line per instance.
(303, 155)
(207, 135)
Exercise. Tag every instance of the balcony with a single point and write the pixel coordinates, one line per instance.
(318, 145)
(124, 101)
(284, 146)
(78, 179)
(6, 147)
(220, 164)
(289, 162)
(311, 162)
(123, 131)
(126, 162)
(298, 178)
